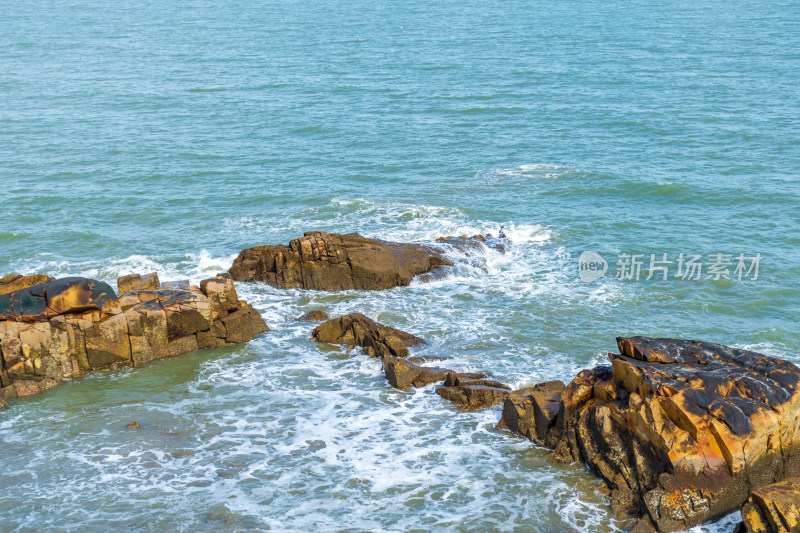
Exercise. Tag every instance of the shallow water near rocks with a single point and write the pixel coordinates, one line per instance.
(169, 137)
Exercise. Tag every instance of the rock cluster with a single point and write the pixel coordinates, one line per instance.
(467, 390)
(65, 328)
(336, 262)
(681, 431)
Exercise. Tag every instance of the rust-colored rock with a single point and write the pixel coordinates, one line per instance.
(403, 375)
(315, 315)
(336, 262)
(356, 329)
(65, 328)
(681, 431)
(138, 282)
(15, 282)
(774, 508)
(532, 411)
(472, 391)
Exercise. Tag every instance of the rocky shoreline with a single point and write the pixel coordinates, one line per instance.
(59, 330)
(681, 432)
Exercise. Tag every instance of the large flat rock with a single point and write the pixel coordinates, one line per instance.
(336, 262)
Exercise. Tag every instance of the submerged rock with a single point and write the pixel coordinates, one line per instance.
(314, 315)
(65, 328)
(773, 509)
(356, 329)
(681, 431)
(336, 262)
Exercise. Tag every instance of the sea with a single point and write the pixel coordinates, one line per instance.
(642, 159)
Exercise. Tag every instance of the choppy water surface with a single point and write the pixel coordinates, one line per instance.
(169, 137)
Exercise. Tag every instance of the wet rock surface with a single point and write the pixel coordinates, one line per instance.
(356, 329)
(336, 262)
(681, 431)
(15, 282)
(773, 509)
(66, 328)
(315, 315)
(470, 391)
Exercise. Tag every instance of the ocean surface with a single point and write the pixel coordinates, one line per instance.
(168, 136)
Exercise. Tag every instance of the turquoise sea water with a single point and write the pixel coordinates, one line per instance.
(153, 136)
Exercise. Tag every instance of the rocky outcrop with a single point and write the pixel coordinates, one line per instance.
(681, 431)
(65, 328)
(773, 509)
(356, 329)
(336, 262)
(15, 282)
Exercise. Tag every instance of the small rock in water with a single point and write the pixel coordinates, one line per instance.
(357, 330)
(133, 425)
(315, 315)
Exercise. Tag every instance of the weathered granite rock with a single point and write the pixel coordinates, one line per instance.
(357, 330)
(532, 411)
(15, 282)
(314, 315)
(336, 262)
(65, 328)
(138, 282)
(681, 431)
(472, 391)
(773, 509)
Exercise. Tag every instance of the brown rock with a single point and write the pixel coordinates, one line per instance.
(472, 391)
(65, 328)
(681, 431)
(243, 324)
(403, 375)
(108, 343)
(532, 411)
(774, 508)
(132, 425)
(138, 282)
(315, 315)
(357, 330)
(15, 282)
(221, 295)
(335, 262)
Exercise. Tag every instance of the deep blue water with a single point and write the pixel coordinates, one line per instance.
(168, 137)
